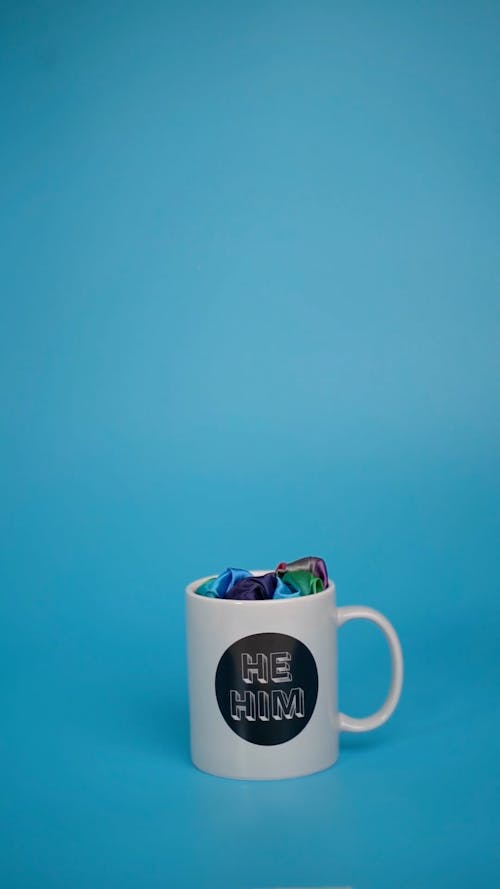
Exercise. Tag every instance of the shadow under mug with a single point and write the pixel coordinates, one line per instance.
(263, 683)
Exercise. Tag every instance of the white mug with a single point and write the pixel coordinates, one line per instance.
(263, 683)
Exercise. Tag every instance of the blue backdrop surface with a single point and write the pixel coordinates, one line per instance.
(249, 311)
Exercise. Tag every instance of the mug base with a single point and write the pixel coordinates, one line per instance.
(293, 773)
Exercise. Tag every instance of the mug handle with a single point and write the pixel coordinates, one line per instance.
(368, 723)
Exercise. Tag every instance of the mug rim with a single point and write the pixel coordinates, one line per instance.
(193, 586)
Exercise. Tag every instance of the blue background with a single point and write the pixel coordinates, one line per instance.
(248, 312)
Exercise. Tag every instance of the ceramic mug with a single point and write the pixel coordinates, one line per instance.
(263, 683)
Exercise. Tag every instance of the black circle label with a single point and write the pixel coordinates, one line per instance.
(266, 687)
